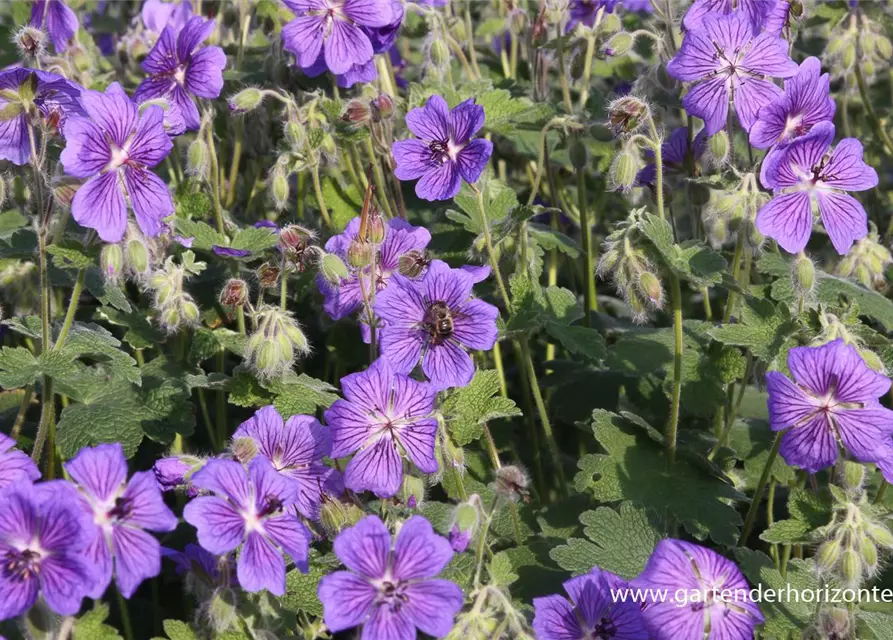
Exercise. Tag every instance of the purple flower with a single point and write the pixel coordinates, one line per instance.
(177, 69)
(296, 447)
(15, 466)
(694, 579)
(724, 59)
(121, 513)
(57, 19)
(383, 413)
(435, 319)
(675, 153)
(760, 14)
(346, 297)
(333, 29)
(43, 535)
(832, 401)
(390, 592)
(585, 12)
(171, 473)
(249, 507)
(443, 153)
(592, 612)
(25, 93)
(229, 252)
(803, 173)
(459, 539)
(115, 148)
(806, 102)
(156, 15)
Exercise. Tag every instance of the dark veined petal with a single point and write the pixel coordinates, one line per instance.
(86, 151)
(137, 558)
(204, 76)
(99, 204)
(466, 119)
(261, 566)
(419, 552)
(150, 199)
(846, 170)
(365, 548)
(709, 100)
(432, 605)
(447, 365)
(472, 159)
(844, 218)
(346, 599)
(220, 528)
(811, 446)
(303, 36)
(431, 122)
(749, 95)
(113, 111)
(100, 471)
(346, 46)
(788, 220)
(377, 467)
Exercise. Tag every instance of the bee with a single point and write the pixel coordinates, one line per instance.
(439, 321)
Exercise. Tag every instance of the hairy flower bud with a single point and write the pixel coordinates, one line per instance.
(279, 188)
(30, 41)
(333, 269)
(382, 107)
(412, 492)
(246, 100)
(853, 476)
(439, 53)
(618, 45)
(137, 255)
(197, 158)
(834, 623)
(512, 483)
(244, 449)
(804, 274)
(360, 254)
(268, 275)
(851, 568)
(828, 555)
(335, 516)
(357, 112)
(272, 348)
(624, 170)
(651, 288)
(111, 260)
(578, 154)
(720, 146)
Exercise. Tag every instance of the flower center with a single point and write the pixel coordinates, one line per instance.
(392, 594)
(443, 151)
(794, 127)
(21, 565)
(180, 74)
(439, 322)
(122, 509)
(119, 157)
(604, 630)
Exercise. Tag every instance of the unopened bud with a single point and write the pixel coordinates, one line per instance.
(30, 41)
(244, 449)
(627, 113)
(719, 145)
(279, 187)
(412, 493)
(335, 516)
(851, 568)
(624, 170)
(246, 100)
(222, 612)
(828, 555)
(234, 293)
(111, 260)
(611, 23)
(359, 254)
(853, 475)
(880, 534)
(294, 237)
(333, 268)
(170, 319)
(849, 56)
(618, 45)
(377, 229)
(650, 286)
(884, 47)
(382, 107)
(268, 275)
(440, 54)
(294, 133)
(197, 158)
(190, 312)
(137, 256)
(804, 274)
(869, 555)
(297, 338)
(412, 263)
(578, 154)
(834, 623)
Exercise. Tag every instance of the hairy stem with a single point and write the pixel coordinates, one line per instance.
(590, 299)
(758, 492)
(320, 201)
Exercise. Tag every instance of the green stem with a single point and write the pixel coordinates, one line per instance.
(206, 418)
(220, 408)
(587, 62)
(234, 167)
(72, 309)
(869, 110)
(378, 177)
(22, 412)
(47, 404)
(283, 288)
(469, 32)
(562, 71)
(673, 423)
(215, 179)
(544, 415)
(125, 615)
(658, 166)
(758, 492)
(491, 254)
(320, 201)
(590, 299)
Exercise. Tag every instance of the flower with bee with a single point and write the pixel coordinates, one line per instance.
(435, 320)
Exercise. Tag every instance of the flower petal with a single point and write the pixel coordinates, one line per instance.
(150, 199)
(846, 170)
(844, 218)
(474, 324)
(204, 76)
(473, 159)
(113, 111)
(86, 151)
(554, 618)
(413, 159)
(147, 507)
(749, 95)
(346, 46)
(432, 605)
(261, 566)
(378, 468)
(788, 404)
(150, 143)
(419, 552)
(439, 183)
(788, 220)
(137, 558)
(431, 122)
(346, 600)
(99, 204)
(811, 446)
(292, 536)
(365, 548)
(466, 119)
(99, 470)
(447, 365)
(388, 624)
(220, 528)
(709, 100)
(417, 439)
(402, 347)
(303, 36)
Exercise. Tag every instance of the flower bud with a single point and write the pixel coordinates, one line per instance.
(221, 610)
(880, 534)
(851, 568)
(651, 288)
(828, 555)
(869, 555)
(804, 274)
(294, 237)
(719, 146)
(244, 449)
(189, 311)
(297, 338)
(412, 263)
(459, 538)
(412, 493)
(335, 516)
(279, 187)
(849, 56)
(624, 170)
(512, 483)
(234, 293)
(578, 154)
(357, 113)
(197, 158)
(294, 133)
(268, 275)
(834, 623)
(170, 319)
(884, 47)
(170, 473)
(111, 260)
(611, 23)
(439, 53)
(360, 254)
(30, 41)
(137, 256)
(853, 475)
(246, 100)
(382, 108)
(270, 350)
(333, 269)
(618, 45)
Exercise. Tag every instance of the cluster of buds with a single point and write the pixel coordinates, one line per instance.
(633, 274)
(133, 257)
(852, 540)
(834, 328)
(492, 616)
(857, 39)
(275, 344)
(175, 307)
(866, 262)
(735, 211)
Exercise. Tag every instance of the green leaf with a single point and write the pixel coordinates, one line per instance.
(301, 394)
(191, 206)
(879, 624)
(19, 367)
(344, 203)
(751, 439)
(246, 391)
(466, 409)
(87, 340)
(114, 416)
(177, 630)
(581, 341)
(636, 468)
(70, 255)
(786, 619)
(787, 532)
(504, 112)
(140, 334)
(10, 222)
(255, 239)
(26, 325)
(691, 260)
(830, 289)
(617, 541)
(550, 239)
(762, 327)
(501, 570)
(91, 625)
(300, 588)
(203, 235)
(108, 294)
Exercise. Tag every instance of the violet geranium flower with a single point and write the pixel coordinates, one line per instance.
(43, 536)
(156, 15)
(768, 15)
(122, 511)
(443, 153)
(390, 592)
(585, 12)
(806, 102)
(116, 147)
(725, 60)
(249, 507)
(296, 447)
(593, 612)
(178, 69)
(57, 19)
(833, 400)
(700, 576)
(346, 297)
(382, 414)
(805, 172)
(333, 29)
(435, 319)
(27, 93)
(15, 466)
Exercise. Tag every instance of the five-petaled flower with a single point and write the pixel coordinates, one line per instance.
(296, 447)
(593, 611)
(832, 402)
(121, 511)
(332, 31)
(724, 59)
(43, 536)
(390, 592)
(435, 319)
(805, 103)
(443, 153)
(707, 597)
(382, 414)
(762, 15)
(249, 507)
(803, 173)
(177, 69)
(115, 148)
